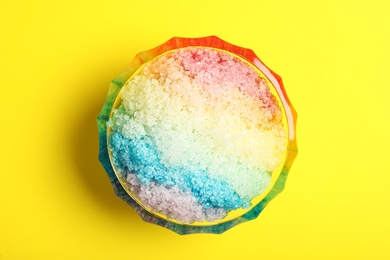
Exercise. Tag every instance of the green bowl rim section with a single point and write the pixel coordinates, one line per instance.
(176, 43)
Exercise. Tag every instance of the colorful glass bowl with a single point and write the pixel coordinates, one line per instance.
(233, 217)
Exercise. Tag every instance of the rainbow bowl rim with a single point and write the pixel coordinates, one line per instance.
(177, 43)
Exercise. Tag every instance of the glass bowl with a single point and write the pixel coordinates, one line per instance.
(185, 199)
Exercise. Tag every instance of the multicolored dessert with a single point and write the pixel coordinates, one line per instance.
(197, 135)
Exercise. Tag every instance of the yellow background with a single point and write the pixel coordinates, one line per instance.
(57, 59)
